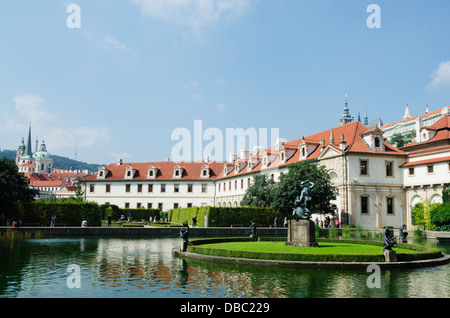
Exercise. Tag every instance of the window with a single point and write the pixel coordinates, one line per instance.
(430, 169)
(127, 205)
(189, 205)
(138, 205)
(219, 187)
(100, 174)
(127, 187)
(176, 188)
(229, 185)
(150, 173)
(377, 142)
(150, 188)
(272, 176)
(248, 182)
(163, 187)
(139, 188)
(149, 205)
(363, 167)
(204, 187)
(128, 173)
(235, 184)
(364, 204)
(390, 205)
(175, 205)
(91, 188)
(108, 188)
(190, 185)
(160, 206)
(205, 173)
(242, 183)
(177, 173)
(389, 169)
(411, 171)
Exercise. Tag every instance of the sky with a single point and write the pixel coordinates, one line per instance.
(141, 80)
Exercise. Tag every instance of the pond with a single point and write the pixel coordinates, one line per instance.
(136, 267)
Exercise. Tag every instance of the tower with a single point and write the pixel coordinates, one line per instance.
(346, 117)
(366, 119)
(407, 114)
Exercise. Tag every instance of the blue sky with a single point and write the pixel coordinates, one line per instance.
(136, 70)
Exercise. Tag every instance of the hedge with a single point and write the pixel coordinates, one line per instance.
(418, 252)
(225, 217)
(68, 213)
(136, 214)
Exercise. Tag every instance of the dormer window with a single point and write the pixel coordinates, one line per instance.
(129, 172)
(204, 172)
(152, 171)
(102, 172)
(177, 172)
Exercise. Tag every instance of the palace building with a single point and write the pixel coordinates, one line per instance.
(377, 183)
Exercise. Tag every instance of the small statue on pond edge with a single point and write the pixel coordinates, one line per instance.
(403, 234)
(389, 240)
(253, 230)
(184, 234)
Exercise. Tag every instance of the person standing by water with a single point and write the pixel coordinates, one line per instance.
(53, 221)
(109, 220)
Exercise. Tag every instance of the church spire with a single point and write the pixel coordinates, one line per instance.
(346, 117)
(366, 119)
(28, 150)
(407, 114)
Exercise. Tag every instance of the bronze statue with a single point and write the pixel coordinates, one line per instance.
(184, 234)
(253, 231)
(403, 234)
(303, 208)
(389, 240)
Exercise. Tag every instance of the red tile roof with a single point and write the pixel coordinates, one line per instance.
(165, 169)
(353, 137)
(423, 162)
(442, 128)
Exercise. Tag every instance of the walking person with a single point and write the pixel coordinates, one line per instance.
(275, 222)
(109, 220)
(53, 221)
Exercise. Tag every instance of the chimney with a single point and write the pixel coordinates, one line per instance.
(419, 125)
(206, 159)
(244, 153)
(232, 157)
(119, 162)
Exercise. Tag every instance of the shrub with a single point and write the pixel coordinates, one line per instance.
(69, 213)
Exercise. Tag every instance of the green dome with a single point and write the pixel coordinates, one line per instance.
(42, 153)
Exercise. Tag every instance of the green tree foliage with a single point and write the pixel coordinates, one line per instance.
(421, 214)
(289, 188)
(399, 140)
(260, 193)
(13, 185)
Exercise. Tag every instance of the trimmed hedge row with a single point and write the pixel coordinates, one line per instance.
(418, 252)
(225, 217)
(136, 214)
(68, 213)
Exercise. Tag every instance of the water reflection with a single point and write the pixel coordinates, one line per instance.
(140, 267)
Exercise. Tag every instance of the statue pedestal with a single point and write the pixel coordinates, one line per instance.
(301, 233)
(390, 256)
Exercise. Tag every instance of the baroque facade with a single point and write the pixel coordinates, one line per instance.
(378, 184)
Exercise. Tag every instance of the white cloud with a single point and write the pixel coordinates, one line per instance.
(195, 14)
(221, 108)
(441, 76)
(45, 125)
(112, 42)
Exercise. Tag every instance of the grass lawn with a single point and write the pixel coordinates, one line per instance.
(324, 248)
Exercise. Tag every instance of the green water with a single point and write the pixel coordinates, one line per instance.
(139, 267)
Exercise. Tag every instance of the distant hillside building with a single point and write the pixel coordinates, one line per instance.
(40, 161)
(38, 168)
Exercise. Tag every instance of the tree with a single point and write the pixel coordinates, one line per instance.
(399, 140)
(260, 193)
(13, 185)
(290, 187)
(421, 214)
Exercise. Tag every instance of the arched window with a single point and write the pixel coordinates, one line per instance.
(377, 142)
